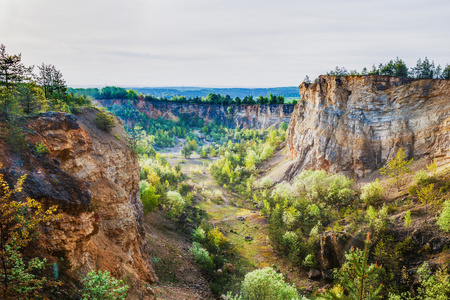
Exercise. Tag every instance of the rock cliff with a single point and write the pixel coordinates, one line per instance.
(357, 123)
(244, 116)
(93, 177)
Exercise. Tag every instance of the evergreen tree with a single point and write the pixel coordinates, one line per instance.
(397, 167)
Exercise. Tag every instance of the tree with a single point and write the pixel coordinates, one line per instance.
(357, 279)
(444, 217)
(31, 98)
(19, 223)
(426, 195)
(186, 151)
(12, 72)
(446, 72)
(401, 70)
(51, 81)
(397, 167)
(105, 121)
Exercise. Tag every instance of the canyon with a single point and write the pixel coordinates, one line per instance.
(243, 116)
(355, 124)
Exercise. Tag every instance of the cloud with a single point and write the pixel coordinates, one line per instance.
(217, 42)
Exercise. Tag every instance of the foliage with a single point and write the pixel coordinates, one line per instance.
(397, 167)
(426, 195)
(378, 221)
(19, 223)
(174, 204)
(432, 166)
(359, 279)
(408, 219)
(186, 151)
(149, 196)
(16, 139)
(105, 121)
(372, 193)
(101, 285)
(41, 148)
(199, 235)
(444, 218)
(267, 284)
(201, 256)
(398, 68)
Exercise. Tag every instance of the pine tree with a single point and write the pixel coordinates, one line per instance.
(397, 167)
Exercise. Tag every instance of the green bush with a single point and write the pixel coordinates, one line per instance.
(372, 193)
(444, 218)
(199, 235)
(100, 285)
(202, 257)
(174, 204)
(267, 284)
(149, 197)
(105, 121)
(16, 139)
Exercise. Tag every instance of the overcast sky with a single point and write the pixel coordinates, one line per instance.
(222, 43)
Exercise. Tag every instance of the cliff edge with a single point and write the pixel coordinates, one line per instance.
(93, 177)
(357, 123)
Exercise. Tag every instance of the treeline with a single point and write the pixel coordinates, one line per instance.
(23, 92)
(398, 68)
(113, 92)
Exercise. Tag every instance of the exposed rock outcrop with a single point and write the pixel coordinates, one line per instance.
(357, 123)
(93, 177)
(243, 116)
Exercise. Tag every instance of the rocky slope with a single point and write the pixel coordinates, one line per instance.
(93, 177)
(244, 116)
(357, 123)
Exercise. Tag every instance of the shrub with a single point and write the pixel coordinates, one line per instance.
(267, 284)
(100, 285)
(149, 197)
(420, 176)
(201, 256)
(199, 235)
(310, 261)
(105, 121)
(16, 139)
(41, 148)
(444, 217)
(372, 193)
(174, 204)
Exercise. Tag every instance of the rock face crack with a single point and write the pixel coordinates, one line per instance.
(357, 123)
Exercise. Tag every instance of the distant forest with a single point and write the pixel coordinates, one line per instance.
(113, 92)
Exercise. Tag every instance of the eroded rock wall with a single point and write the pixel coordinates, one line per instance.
(243, 116)
(93, 177)
(357, 123)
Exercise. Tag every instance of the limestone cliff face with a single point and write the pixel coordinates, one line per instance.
(244, 116)
(357, 123)
(93, 177)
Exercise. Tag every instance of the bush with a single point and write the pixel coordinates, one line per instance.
(149, 197)
(100, 285)
(266, 284)
(201, 256)
(16, 139)
(372, 193)
(174, 204)
(444, 217)
(105, 121)
(199, 235)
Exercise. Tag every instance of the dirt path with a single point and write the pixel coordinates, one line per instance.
(246, 229)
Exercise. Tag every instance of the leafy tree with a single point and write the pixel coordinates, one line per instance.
(426, 195)
(397, 167)
(100, 285)
(19, 223)
(186, 151)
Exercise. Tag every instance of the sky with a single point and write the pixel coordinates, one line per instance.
(220, 43)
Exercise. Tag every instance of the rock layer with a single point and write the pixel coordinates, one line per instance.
(243, 116)
(93, 177)
(357, 123)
